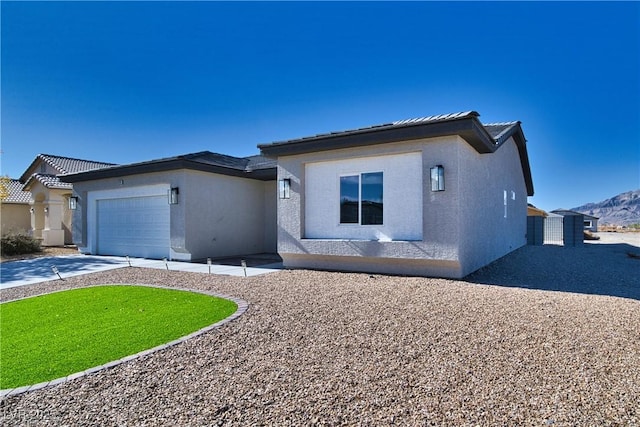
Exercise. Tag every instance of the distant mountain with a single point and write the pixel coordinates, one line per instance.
(623, 209)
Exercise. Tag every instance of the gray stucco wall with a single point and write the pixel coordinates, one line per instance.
(217, 215)
(487, 233)
(270, 216)
(463, 227)
(226, 215)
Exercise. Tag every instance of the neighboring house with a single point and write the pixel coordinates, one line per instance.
(185, 208)
(50, 217)
(436, 196)
(533, 211)
(590, 222)
(14, 209)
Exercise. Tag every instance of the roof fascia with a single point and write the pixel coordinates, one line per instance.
(30, 169)
(29, 184)
(163, 166)
(521, 144)
(468, 128)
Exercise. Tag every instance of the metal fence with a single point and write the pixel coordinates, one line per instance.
(553, 230)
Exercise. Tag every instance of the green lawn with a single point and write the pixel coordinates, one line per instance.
(54, 335)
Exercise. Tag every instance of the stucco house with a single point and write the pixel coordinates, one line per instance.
(184, 208)
(437, 196)
(48, 214)
(14, 208)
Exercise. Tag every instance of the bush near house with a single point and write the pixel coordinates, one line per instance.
(18, 244)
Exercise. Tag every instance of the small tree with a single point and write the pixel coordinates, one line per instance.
(4, 187)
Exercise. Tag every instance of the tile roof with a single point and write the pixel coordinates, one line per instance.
(63, 165)
(69, 165)
(47, 180)
(16, 195)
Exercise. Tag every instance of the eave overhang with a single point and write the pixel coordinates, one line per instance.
(468, 127)
(465, 125)
(266, 174)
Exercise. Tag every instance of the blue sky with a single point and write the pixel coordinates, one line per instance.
(125, 82)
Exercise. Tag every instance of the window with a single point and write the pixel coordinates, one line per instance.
(361, 199)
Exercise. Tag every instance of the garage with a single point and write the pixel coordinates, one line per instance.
(134, 226)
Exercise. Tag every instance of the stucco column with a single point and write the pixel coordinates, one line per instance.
(37, 219)
(53, 234)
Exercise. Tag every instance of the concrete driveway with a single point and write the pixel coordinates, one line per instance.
(26, 272)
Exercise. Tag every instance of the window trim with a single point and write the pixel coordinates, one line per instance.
(359, 222)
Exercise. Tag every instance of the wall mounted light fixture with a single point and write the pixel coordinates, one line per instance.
(172, 195)
(73, 203)
(284, 188)
(437, 178)
(46, 210)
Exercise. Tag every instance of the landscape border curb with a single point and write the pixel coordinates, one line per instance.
(242, 308)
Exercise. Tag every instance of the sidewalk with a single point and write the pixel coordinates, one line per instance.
(26, 272)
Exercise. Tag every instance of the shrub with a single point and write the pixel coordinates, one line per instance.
(18, 244)
(590, 236)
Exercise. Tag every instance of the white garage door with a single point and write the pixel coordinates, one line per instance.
(135, 226)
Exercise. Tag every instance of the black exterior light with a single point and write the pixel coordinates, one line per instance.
(73, 203)
(437, 178)
(173, 195)
(284, 188)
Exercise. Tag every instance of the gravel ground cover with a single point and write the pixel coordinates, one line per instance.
(320, 348)
(46, 251)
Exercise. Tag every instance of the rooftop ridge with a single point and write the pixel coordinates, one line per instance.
(515, 122)
(49, 157)
(435, 118)
(507, 127)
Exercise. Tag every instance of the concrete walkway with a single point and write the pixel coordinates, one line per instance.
(26, 272)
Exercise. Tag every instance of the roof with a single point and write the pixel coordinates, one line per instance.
(48, 181)
(533, 211)
(255, 167)
(568, 212)
(483, 138)
(63, 165)
(16, 195)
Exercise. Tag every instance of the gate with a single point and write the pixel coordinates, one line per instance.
(553, 229)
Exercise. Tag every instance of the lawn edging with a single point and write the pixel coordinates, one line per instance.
(242, 308)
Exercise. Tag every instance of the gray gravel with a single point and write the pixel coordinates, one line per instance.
(352, 349)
